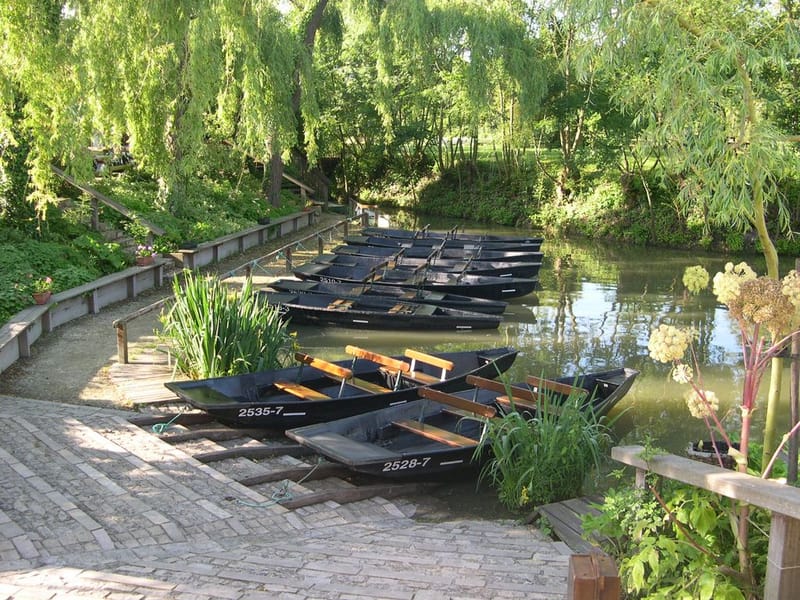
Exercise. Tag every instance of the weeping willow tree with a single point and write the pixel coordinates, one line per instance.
(38, 80)
(159, 73)
(460, 61)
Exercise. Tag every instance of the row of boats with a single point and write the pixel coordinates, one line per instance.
(398, 279)
(409, 415)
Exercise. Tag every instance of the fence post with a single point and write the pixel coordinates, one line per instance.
(122, 343)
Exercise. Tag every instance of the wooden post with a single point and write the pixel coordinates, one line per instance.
(320, 245)
(122, 343)
(783, 559)
(95, 214)
(289, 258)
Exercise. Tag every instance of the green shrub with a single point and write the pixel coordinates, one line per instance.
(214, 332)
(688, 551)
(544, 458)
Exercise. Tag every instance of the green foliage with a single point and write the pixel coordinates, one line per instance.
(688, 552)
(23, 262)
(214, 332)
(543, 458)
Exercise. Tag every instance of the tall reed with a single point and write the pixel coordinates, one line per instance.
(214, 331)
(544, 457)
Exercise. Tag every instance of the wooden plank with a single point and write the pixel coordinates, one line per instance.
(306, 473)
(772, 495)
(214, 434)
(355, 494)
(368, 386)
(566, 526)
(261, 451)
(443, 363)
(435, 433)
(386, 361)
(456, 401)
(323, 365)
(301, 391)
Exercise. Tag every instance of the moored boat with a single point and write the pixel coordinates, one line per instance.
(451, 234)
(476, 255)
(442, 431)
(436, 243)
(316, 390)
(439, 265)
(391, 292)
(480, 286)
(376, 313)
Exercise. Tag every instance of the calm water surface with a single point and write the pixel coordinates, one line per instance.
(594, 311)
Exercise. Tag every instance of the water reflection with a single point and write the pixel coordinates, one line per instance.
(595, 309)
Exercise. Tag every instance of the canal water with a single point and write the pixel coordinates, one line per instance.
(595, 310)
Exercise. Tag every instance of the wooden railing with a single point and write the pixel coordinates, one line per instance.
(98, 197)
(783, 501)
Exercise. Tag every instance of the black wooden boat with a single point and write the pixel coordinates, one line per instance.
(442, 432)
(452, 234)
(480, 286)
(441, 265)
(317, 390)
(476, 255)
(435, 243)
(393, 293)
(376, 313)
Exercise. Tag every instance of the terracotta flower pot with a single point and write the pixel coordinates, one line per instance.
(42, 297)
(143, 261)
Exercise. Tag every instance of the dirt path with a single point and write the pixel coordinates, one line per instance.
(71, 363)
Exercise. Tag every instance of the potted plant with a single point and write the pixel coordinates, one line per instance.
(41, 289)
(145, 255)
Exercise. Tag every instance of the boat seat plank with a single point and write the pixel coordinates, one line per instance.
(435, 433)
(435, 361)
(386, 361)
(521, 404)
(340, 304)
(368, 386)
(518, 393)
(451, 400)
(301, 391)
(326, 367)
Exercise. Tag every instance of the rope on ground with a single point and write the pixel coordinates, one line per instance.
(160, 428)
(281, 494)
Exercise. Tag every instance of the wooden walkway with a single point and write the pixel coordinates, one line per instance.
(564, 518)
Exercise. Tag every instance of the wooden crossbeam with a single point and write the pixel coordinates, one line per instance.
(475, 408)
(435, 433)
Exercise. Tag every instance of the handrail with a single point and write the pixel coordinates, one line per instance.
(783, 501)
(97, 195)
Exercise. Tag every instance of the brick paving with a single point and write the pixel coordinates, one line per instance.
(92, 506)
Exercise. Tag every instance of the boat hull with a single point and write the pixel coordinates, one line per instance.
(374, 444)
(476, 255)
(376, 313)
(395, 293)
(478, 286)
(253, 401)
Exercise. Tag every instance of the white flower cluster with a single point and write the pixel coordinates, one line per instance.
(701, 403)
(695, 279)
(791, 287)
(668, 343)
(726, 284)
(682, 373)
